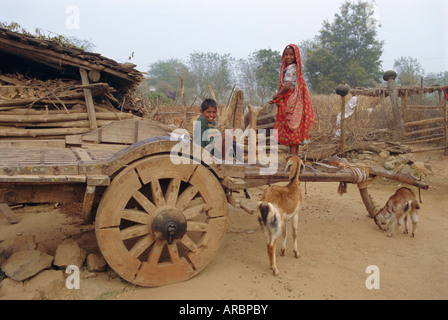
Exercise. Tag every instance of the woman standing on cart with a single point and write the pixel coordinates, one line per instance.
(295, 113)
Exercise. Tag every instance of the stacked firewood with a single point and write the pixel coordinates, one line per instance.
(54, 108)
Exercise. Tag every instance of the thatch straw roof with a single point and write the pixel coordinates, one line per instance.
(49, 57)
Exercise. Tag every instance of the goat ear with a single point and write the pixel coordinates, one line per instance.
(302, 167)
(288, 164)
(293, 170)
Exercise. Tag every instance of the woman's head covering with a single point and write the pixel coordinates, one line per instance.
(299, 110)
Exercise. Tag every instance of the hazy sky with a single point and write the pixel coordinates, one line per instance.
(162, 29)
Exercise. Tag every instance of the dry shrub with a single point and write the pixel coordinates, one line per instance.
(370, 121)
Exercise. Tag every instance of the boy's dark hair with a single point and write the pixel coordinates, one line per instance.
(208, 103)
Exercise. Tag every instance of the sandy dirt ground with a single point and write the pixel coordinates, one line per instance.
(337, 243)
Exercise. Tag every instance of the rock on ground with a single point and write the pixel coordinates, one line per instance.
(95, 262)
(69, 253)
(25, 264)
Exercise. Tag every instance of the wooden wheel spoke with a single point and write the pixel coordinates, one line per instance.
(154, 254)
(140, 200)
(135, 216)
(147, 205)
(197, 226)
(188, 243)
(157, 193)
(172, 192)
(195, 210)
(186, 197)
(141, 245)
(134, 231)
(173, 253)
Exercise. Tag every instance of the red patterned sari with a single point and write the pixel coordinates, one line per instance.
(295, 113)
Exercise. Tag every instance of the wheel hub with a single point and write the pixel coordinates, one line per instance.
(169, 225)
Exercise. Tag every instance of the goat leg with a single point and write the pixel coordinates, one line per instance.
(284, 234)
(271, 254)
(414, 217)
(393, 225)
(295, 225)
(406, 223)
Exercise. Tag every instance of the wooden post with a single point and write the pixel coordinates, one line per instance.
(390, 77)
(342, 90)
(420, 95)
(232, 115)
(87, 205)
(404, 107)
(254, 112)
(368, 202)
(446, 126)
(212, 93)
(89, 100)
(343, 145)
(184, 108)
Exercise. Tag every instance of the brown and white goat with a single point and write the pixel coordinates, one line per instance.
(401, 206)
(278, 205)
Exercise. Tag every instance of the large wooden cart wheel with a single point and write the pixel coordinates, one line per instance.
(160, 223)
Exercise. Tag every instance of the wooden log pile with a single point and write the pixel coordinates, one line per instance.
(32, 107)
(48, 89)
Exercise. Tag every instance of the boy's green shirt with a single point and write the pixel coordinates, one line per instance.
(201, 126)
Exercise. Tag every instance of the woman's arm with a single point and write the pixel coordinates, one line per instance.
(283, 90)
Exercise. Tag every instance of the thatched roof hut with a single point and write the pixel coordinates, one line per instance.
(51, 90)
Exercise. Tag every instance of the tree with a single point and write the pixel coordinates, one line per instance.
(259, 74)
(267, 71)
(409, 71)
(345, 50)
(166, 76)
(440, 78)
(212, 69)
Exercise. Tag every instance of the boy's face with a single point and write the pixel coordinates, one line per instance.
(209, 114)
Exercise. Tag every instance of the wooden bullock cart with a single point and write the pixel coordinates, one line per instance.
(156, 222)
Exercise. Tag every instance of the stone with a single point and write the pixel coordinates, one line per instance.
(21, 243)
(95, 263)
(406, 169)
(9, 286)
(41, 247)
(88, 242)
(25, 264)
(419, 168)
(42, 280)
(390, 165)
(69, 253)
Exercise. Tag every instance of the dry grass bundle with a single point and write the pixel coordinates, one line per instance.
(370, 122)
